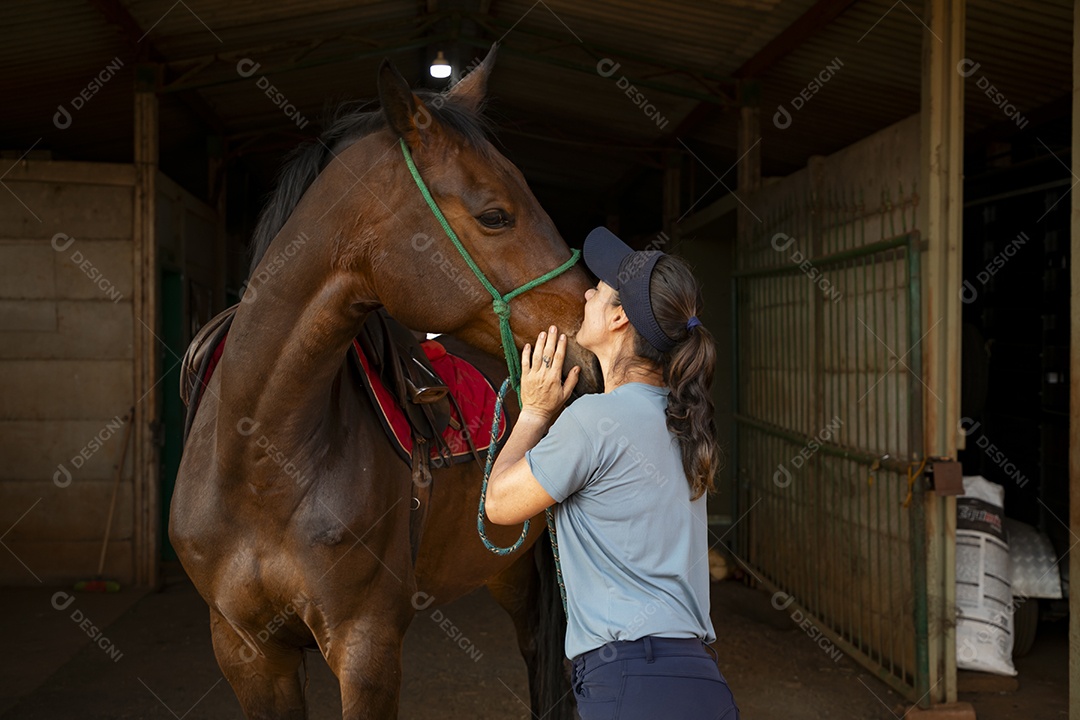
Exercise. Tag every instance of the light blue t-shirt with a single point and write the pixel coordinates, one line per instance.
(634, 547)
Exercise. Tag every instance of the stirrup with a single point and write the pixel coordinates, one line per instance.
(425, 394)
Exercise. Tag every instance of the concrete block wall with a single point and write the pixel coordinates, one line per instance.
(66, 369)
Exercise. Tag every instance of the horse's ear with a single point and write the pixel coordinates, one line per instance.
(405, 113)
(471, 89)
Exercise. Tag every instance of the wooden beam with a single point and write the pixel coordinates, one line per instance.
(145, 52)
(806, 26)
(146, 467)
(749, 170)
(708, 215)
(810, 23)
(940, 221)
(118, 15)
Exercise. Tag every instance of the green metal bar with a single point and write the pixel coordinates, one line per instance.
(900, 241)
(736, 406)
(863, 441)
(918, 519)
(830, 449)
(850, 649)
(880, 422)
(844, 534)
(829, 511)
(779, 560)
(814, 393)
(893, 530)
(781, 379)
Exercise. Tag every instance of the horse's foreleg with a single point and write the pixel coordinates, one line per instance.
(516, 589)
(266, 681)
(366, 658)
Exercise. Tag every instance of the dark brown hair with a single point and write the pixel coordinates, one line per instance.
(687, 370)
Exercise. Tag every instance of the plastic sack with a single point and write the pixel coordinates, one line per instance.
(984, 600)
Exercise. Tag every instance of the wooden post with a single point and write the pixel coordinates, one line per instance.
(749, 148)
(216, 198)
(146, 469)
(940, 221)
(1074, 388)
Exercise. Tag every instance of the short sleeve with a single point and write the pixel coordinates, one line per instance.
(564, 460)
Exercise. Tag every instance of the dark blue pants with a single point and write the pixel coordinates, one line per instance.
(652, 678)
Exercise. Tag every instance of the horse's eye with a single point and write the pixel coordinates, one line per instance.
(494, 219)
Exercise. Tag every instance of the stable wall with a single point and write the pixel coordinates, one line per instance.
(69, 375)
(66, 368)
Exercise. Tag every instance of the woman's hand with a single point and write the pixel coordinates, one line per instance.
(543, 391)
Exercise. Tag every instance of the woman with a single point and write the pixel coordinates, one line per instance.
(630, 470)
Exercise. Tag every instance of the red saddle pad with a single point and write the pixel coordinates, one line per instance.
(474, 394)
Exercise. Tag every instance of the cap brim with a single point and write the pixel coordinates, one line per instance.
(603, 253)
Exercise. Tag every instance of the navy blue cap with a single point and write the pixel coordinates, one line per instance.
(629, 272)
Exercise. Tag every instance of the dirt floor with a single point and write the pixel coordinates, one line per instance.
(151, 658)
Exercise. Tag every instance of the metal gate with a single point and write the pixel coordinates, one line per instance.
(828, 434)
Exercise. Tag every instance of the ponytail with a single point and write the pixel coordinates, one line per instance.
(687, 370)
(688, 375)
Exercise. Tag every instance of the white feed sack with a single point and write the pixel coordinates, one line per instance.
(984, 603)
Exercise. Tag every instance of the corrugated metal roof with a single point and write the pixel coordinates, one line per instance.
(1024, 52)
(566, 123)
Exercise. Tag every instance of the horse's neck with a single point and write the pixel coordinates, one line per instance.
(285, 352)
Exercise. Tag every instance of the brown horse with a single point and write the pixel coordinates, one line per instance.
(291, 512)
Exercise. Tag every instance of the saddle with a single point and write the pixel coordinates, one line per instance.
(395, 355)
(392, 353)
(400, 381)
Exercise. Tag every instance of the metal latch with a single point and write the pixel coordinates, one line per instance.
(946, 476)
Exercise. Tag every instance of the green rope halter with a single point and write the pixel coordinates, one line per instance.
(500, 303)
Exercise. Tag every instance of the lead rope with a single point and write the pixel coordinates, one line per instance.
(501, 305)
(549, 515)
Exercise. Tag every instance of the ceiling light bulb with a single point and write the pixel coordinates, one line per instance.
(440, 66)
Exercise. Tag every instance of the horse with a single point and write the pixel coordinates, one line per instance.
(291, 512)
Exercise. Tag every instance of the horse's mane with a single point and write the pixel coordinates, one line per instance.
(348, 123)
